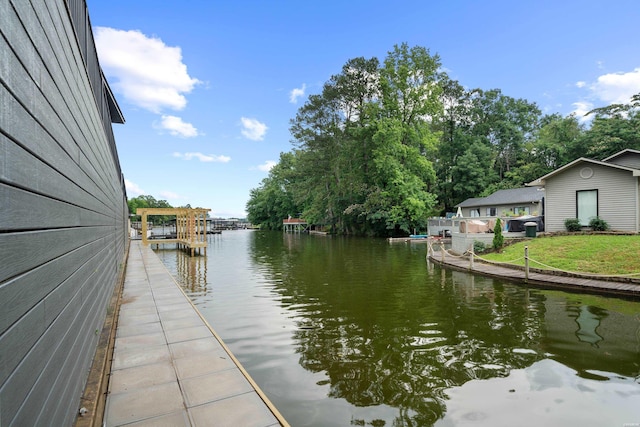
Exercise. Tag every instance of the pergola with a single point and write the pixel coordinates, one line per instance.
(191, 231)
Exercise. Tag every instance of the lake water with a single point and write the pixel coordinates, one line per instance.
(360, 332)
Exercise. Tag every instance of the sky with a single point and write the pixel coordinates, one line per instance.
(208, 87)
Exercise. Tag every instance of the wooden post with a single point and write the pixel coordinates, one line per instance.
(442, 250)
(471, 259)
(526, 263)
(144, 229)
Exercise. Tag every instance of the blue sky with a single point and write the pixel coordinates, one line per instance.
(208, 87)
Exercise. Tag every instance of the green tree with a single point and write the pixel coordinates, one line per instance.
(473, 172)
(454, 125)
(365, 145)
(147, 201)
(505, 124)
(404, 142)
(614, 128)
(273, 200)
(498, 238)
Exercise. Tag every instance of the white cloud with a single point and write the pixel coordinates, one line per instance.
(581, 84)
(202, 157)
(133, 189)
(297, 93)
(581, 109)
(177, 127)
(617, 88)
(253, 129)
(147, 72)
(266, 166)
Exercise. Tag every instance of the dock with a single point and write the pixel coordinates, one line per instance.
(536, 278)
(169, 367)
(191, 223)
(295, 225)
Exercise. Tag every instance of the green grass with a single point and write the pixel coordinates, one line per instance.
(598, 253)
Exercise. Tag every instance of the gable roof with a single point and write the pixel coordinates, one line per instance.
(509, 196)
(540, 181)
(620, 153)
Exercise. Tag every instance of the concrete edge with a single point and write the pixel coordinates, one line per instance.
(283, 422)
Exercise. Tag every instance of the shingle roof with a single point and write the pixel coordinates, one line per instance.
(506, 197)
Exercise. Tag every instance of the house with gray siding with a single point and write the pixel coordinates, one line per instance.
(504, 203)
(63, 210)
(585, 188)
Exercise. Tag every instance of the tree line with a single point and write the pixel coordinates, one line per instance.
(387, 144)
(148, 201)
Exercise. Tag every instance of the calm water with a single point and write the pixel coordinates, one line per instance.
(344, 331)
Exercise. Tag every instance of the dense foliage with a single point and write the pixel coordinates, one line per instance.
(146, 201)
(598, 224)
(387, 144)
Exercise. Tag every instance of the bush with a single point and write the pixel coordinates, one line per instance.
(478, 247)
(498, 238)
(598, 224)
(572, 224)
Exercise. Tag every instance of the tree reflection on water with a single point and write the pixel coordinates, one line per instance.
(386, 333)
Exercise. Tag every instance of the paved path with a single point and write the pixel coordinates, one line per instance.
(546, 280)
(169, 367)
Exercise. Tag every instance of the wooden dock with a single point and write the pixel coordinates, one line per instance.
(588, 284)
(191, 227)
(295, 225)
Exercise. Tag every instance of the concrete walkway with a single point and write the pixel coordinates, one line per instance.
(591, 284)
(169, 367)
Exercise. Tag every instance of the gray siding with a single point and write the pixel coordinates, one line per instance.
(63, 209)
(617, 196)
(629, 159)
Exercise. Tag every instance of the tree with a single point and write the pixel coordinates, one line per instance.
(334, 154)
(364, 145)
(454, 125)
(403, 140)
(147, 201)
(614, 128)
(273, 201)
(498, 238)
(473, 172)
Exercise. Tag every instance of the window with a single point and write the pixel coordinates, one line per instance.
(586, 205)
(491, 211)
(521, 210)
(473, 213)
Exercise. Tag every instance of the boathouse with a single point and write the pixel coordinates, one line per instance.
(63, 221)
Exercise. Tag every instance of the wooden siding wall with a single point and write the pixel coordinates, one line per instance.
(617, 191)
(63, 210)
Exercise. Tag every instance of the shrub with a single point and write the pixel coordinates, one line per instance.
(572, 224)
(478, 247)
(598, 224)
(498, 238)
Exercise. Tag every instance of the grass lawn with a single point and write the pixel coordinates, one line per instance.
(598, 253)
